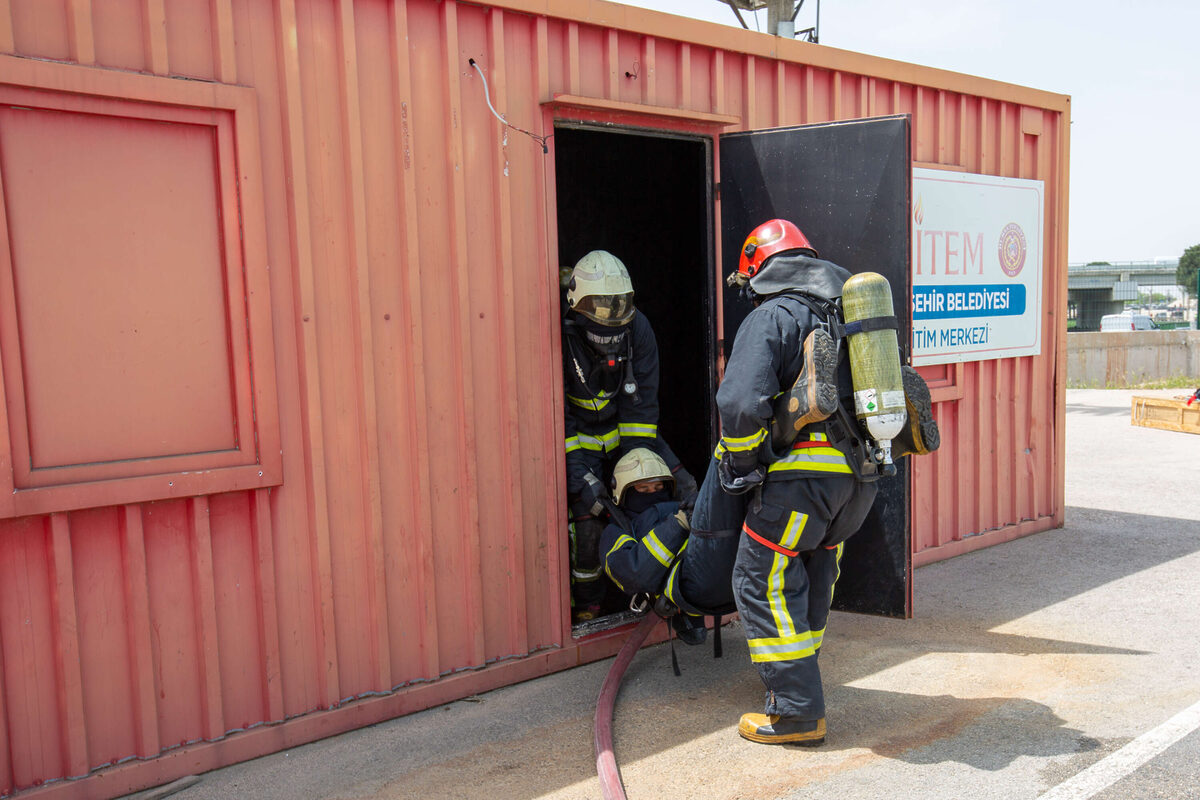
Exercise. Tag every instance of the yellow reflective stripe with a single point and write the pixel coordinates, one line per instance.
(741, 444)
(573, 444)
(591, 405)
(805, 451)
(795, 527)
(786, 655)
(657, 549)
(602, 443)
(621, 540)
(776, 641)
(719, 450)
(779, 610)
(669, 591)
(819, 636)
(637, 429)
(818, 437)
(816, 459)
(590, 443)
(782, 648)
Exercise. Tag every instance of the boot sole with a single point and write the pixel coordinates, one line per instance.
(820, 393)
(926, 435)
(795, 738)
(821, 351)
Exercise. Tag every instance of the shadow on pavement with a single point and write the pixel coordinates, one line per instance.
(535, 739)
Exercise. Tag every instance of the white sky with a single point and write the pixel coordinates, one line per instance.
(1132, 70)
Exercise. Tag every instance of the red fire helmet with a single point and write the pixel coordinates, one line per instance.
(771, 237)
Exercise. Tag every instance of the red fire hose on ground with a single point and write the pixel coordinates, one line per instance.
(606, 763)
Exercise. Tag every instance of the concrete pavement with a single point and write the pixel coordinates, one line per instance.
(1027, 664)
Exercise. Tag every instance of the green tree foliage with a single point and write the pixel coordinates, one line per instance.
(1098, 264)
(1185, 273)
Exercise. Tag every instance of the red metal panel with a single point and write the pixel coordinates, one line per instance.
(154, 394)
(27, 648)
(114, 45)
(239, 642)
(189, 38)
(104, 636)
(40, 29)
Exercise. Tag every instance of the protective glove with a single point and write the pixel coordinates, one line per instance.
(593, 494)
(735, 483)
(685, 487)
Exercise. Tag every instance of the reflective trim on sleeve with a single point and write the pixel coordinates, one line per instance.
(621, 540)
(744, 444)
(573, 444)
(657, 549)
(591, 405)
(617, 545)
(638, 429)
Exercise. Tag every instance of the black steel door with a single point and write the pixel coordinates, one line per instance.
(847, 186)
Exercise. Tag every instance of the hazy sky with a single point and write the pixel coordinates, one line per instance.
(1132, 71)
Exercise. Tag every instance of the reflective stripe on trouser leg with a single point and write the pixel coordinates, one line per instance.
(780, 599)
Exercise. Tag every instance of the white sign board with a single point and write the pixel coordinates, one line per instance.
(977, 267)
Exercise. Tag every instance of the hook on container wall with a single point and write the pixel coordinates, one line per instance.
(633, 74)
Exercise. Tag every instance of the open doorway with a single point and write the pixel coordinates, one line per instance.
(646, 198)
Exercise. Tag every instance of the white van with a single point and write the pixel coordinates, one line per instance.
(1126, 322)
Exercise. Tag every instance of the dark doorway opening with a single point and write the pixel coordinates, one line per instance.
(646, 198)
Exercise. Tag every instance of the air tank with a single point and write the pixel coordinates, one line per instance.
(875, 361)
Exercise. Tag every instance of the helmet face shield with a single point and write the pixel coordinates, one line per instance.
(640, 464)
(606, 309)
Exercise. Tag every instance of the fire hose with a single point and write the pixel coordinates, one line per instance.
(606, 763)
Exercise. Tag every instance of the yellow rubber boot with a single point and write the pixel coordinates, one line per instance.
(773, 729)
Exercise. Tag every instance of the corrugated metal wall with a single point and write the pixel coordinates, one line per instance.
(412, 276)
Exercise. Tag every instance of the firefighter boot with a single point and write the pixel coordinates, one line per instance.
(920, 434)
(689, 629)
(587, 590)
(773, 729)
(814, 396)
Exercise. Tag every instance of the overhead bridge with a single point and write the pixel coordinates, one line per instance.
(1094, 290)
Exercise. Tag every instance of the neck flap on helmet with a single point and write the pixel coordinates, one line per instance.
(793, 271)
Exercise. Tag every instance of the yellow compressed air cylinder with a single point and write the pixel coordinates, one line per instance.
(874, 360)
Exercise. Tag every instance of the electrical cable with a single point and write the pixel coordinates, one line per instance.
(488, 99)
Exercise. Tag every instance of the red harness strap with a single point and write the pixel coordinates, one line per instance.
(767, 543)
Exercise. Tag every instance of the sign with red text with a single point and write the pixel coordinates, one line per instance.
(977, 267)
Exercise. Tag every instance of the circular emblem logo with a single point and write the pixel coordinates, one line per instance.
(1012, 249)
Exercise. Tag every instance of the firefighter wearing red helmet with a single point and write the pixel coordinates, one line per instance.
(771, 518)
(610, 373)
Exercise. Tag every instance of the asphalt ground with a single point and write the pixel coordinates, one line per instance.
(1058, 665)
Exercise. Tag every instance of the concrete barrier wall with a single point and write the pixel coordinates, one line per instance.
(1127, 359)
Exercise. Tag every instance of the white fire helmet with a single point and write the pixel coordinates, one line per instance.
(640, 464)
(600, 289)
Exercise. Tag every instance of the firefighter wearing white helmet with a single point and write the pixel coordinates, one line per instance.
(640, 547)
(610, 373)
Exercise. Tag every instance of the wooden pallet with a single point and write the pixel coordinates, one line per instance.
(1167, 413)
